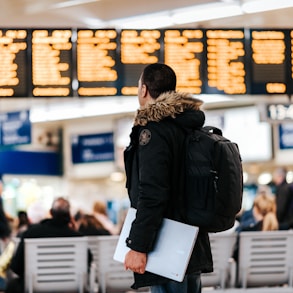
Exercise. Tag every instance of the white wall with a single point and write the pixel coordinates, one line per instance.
(88, 182)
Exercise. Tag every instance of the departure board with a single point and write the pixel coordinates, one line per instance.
(13, 63)
(183, 51)
(290, 75)
(96, 62)
(138, 49)
(86, 62)
(225, 61)
(52, 62)
(268, 58)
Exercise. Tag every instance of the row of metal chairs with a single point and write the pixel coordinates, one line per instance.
(265, 264)
(61, 265)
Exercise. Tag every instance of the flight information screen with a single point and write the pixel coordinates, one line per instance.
(183, 51)
(225, 62)
(52, 62)
(97, 73)
(269, 64)
(13, 63)
(138, 49)
(108, 62)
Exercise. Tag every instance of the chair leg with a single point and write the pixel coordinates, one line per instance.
(291, 277)
(92, 279)
(244, 278)
(30, 283)
(80, 283)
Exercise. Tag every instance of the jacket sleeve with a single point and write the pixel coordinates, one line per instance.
(154, 167)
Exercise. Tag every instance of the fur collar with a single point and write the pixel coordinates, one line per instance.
(166, 105)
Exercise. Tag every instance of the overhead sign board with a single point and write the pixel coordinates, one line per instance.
(92, 148)
(15, 128)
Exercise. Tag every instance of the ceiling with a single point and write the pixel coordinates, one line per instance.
(102, 13)
(77, 13)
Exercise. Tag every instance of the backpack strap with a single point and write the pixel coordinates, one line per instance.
(180, 201)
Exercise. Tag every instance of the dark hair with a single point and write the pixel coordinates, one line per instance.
(61, 210)
(22, 218)
(158, 78)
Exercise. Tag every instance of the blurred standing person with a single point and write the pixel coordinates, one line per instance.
(284, 199)
(5, 230)
(5, 235)
(153, 164)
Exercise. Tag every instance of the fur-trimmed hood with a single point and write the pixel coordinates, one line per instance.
(170, 104)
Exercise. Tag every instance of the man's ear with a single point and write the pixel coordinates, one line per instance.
(144, 90)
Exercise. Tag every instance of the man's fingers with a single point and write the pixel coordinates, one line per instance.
(135, 261)
(135, 270)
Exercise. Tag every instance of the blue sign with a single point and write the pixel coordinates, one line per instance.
(15, 128)
(286, 136)
(92, 148)
(30, 163)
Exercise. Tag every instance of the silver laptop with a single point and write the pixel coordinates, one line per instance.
(172, 250)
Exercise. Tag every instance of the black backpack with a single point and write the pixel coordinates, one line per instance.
(213, 180)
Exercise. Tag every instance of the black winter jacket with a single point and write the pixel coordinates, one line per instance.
(154, 170)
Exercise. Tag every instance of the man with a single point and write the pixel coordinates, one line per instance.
(60, 225)
(284, 199)
(155, 182)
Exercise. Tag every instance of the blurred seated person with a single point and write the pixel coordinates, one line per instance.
(262, 216)
(59, 225)
(100, 212)
(34, 214)
(90, 226)
(22, 222)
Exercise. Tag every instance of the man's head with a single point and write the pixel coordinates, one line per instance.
(155, 79)
(60, 210)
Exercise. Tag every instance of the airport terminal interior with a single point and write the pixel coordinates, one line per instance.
(253, 109)
(68, 89)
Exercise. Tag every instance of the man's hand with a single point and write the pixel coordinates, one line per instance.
(135, 261)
